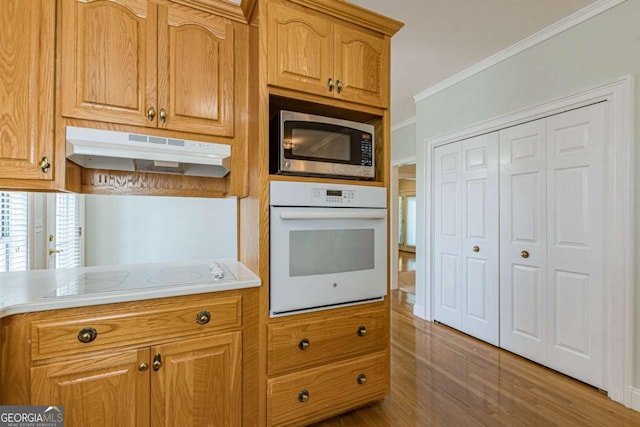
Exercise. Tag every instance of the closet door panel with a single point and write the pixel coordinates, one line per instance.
(576, 141)
(480, 287)
(523, 256)
(448, 234)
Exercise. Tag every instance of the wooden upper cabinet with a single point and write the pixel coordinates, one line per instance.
(316, 53)
(196, 71)
(101, 392)
(27, 35)
(198, 383)
(108, 60)
(138, 62)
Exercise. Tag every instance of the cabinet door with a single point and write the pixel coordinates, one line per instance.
(109, 60)
(198, 383)
(361, 66)
(300, 50)
(195, 71)
(27, 33)
(104, 391)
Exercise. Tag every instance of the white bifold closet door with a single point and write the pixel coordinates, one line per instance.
(551, 238)
(466, 230)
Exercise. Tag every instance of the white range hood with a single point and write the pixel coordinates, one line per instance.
(107, 149)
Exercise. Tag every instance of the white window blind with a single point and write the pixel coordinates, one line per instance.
(13, 231)
(68, 231)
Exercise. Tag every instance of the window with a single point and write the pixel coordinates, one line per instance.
(66, 239)
(13, 231)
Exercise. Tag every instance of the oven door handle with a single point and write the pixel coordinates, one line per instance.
(333, 215)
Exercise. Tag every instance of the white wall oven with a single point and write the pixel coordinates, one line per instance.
(328, 246)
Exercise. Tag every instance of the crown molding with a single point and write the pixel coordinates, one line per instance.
(552, 30)
(404, 123)
(225, 9)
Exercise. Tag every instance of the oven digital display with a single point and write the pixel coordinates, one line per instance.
(334, 193)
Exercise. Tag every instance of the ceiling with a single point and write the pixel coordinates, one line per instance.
(443, 37)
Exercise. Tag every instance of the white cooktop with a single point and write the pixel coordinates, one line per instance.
(38, 290)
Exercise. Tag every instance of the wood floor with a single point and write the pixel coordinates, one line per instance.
(441, 377)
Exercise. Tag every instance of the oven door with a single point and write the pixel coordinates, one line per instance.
(323, 257)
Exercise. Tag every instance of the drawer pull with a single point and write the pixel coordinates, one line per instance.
(157, 362)
(86, 335)
(303, 396)
(362, 331)
(362, 378)
(304, 344)
(203, 317)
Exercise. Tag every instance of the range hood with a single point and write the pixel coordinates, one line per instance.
(106, 149)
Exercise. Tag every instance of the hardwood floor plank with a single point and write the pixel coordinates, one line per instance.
(441, 377)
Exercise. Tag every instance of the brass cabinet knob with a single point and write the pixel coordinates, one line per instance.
(476, 249)
(330, 84)
(303, 396)
(143, 367)
(151, 113)
(163, 115)
(339, 86)
(45, 164)
(362, 331)
(524, 254)
(304, 344)
(203, 317)
(86, 335)
(362, 378)
(157, 362)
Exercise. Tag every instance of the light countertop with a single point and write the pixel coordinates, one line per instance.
(39, 290)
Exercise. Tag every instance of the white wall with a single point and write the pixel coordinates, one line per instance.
(403, 143)
(137, 229)
(586, 56)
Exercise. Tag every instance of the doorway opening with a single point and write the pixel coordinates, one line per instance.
(403, 229)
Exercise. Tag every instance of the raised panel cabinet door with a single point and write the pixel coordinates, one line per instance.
(195, 71)
(197, 382)
(361, 69)
(27, 35)
(106, 391)
(300, 50)
(523, 241)
(109, 60)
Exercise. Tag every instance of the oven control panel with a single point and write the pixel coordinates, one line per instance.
(287, 193)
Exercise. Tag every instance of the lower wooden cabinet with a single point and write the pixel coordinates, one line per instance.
(194, 382)
(306, 396)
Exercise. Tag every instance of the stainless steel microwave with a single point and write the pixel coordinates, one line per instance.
(306, 144)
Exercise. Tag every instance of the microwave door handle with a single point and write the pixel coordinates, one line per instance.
(333, 215)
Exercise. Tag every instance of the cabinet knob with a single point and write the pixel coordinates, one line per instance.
(362, 331)
(203, 317)
(362, 378)
(303, 396)
(339, 86)
(524, 254)
(476, 249)
(157, 362)
(163, 115)
(330, 85)
(143, 367)
(86, 335)
(151, 113)
(304, 344)
(45, 164)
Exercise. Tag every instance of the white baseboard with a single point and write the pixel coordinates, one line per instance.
(635, 399)
(418, 310)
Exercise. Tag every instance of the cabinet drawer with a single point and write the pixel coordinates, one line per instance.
(52, 338)
(326, 390)
(301, 345)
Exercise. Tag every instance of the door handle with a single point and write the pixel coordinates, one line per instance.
(334, 215)
(524, 254)
(55, 251)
